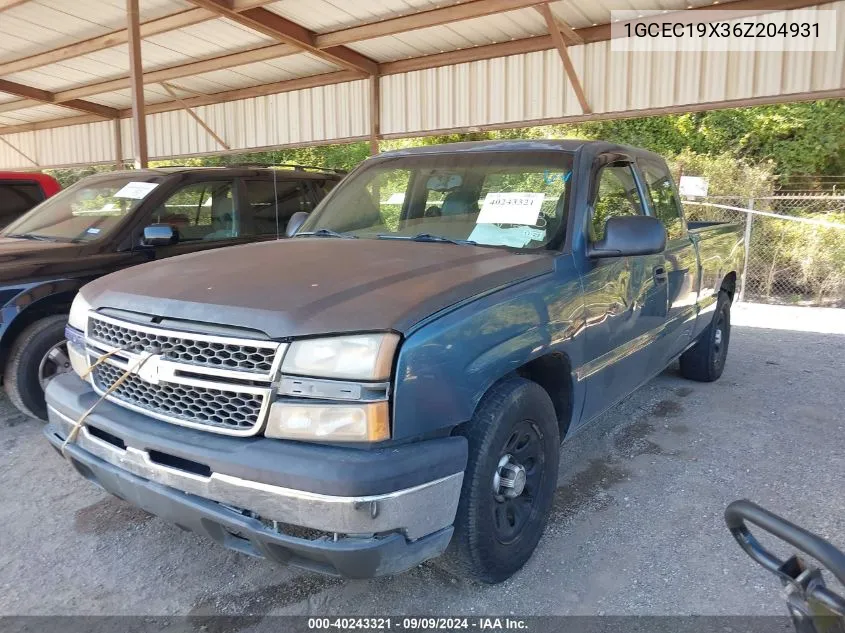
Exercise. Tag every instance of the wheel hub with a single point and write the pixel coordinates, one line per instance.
(510, 478)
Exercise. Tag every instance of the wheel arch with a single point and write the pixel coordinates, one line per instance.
(26, 312)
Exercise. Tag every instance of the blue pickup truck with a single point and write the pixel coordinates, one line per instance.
(393, 383)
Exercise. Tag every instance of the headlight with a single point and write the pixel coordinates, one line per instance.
(358, 357)
(79, 313)
(330, 422)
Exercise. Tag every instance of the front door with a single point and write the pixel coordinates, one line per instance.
(625, 298)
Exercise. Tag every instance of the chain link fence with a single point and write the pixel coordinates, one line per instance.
(796, 258)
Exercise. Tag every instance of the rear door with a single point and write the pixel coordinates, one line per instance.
(681, 260)
(625, 298)
(18, 197)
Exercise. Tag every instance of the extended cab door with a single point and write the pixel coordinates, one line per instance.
(625, 298)
(681, 259)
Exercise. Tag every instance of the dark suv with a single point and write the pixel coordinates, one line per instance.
(108, 222)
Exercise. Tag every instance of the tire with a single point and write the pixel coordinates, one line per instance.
(22, 375)
(705, 361)
(486, 546)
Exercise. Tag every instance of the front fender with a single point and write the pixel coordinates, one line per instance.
(447, 365)
(20, 299)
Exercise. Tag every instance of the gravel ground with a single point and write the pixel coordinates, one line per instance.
(637, 524)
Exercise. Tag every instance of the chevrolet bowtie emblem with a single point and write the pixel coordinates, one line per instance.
(147, 367)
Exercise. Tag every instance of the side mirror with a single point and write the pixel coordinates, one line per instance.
(630, 235)
(296, 220)
(159, 235)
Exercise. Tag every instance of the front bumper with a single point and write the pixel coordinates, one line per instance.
(358, 535)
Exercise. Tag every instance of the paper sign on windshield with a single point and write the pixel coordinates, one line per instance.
(511, 208)
(136, 190)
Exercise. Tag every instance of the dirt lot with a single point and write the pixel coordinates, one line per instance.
(637, 525)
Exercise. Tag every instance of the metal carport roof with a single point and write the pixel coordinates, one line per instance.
(239, 75)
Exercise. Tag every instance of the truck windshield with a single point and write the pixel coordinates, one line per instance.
(510, 199)
(89, 210)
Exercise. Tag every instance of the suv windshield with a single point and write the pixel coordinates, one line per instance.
(87, 211)
(512, 199)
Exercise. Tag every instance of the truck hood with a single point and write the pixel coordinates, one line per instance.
(306, 286)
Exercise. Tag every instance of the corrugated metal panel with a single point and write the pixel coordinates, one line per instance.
(500, 27)
(41, 25)
(314, 115)
(323, 16)
(533, 86)
(72, 145)
(200, 41)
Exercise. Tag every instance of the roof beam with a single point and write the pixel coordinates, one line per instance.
(287, 32)
(8, 4)
(421, 20)
(118, 37)
(36, 96)
(560, 44)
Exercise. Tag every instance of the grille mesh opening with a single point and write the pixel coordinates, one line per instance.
(201, 405)
(185, 349)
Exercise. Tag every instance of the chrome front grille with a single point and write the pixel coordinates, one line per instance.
(221, 408)
(215, 383)
(209, 351)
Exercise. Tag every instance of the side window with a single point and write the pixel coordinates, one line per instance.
(664, 201)
(201, 211)
(272, 203)
(616, 195)
(17, 198)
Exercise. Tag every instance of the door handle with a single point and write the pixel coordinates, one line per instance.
(660, 275)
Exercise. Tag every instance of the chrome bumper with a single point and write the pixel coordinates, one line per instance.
(415, 512)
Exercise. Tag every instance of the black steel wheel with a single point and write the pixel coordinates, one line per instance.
(705, 361)
(509, 483)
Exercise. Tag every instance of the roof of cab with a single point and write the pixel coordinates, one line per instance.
(231, 170)
(567, 145)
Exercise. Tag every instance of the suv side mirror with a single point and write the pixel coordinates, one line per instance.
(296, 220)
(159, 235)
(630, 235)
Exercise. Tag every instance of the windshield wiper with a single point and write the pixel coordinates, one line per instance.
(326, 233)
(31, 236)
(425, 237)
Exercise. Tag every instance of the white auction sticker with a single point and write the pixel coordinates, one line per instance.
(136, 190)
(511, 208)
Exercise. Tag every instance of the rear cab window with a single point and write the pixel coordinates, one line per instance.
(16, 198)
(663, 197)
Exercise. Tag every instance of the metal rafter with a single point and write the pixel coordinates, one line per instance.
(287, 32)
(560, 44)
(36, 96)
(194, 115)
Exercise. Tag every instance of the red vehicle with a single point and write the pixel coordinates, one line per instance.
(20, 191)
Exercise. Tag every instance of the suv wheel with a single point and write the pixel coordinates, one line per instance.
(38, 354)
(509, 483)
